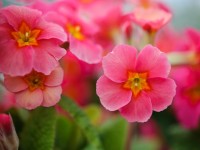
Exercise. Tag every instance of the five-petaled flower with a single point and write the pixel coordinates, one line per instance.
(28, 42)
(35, 88)
(135, 84)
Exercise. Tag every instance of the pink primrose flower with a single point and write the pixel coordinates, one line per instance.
(28, 42)
(151, 19)
(135, 84)
(187, 99)
(81, 33)
(35, 88)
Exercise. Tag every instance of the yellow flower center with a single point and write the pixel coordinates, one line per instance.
(25, 36)
(75, 31)
(136, 82)
(35, 80)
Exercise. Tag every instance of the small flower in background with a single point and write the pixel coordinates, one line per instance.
(187, 99)
(135, 84)
(151, 19)
(28, 41)
(8, 136)
(35, 88)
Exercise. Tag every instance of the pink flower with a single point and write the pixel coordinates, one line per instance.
(35, 88)
(135, 85)
(187, 99)
(28, 42)
(8, 136)
(151, 19)
(81, 33)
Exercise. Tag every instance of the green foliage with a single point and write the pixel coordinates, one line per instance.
(114, 134)
(68, 135)
(144, 144)
(82, 120)
(184, 139)
(39, 132)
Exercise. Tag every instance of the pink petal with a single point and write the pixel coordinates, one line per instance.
(52, 46)
(15, 84)
(112, 95)
(117, 63)
(5, 33)
(162, 92)
(55, 78)
(15, 15)
(138, 110)
(43, 61)
(147, 58)
(51, 96)
(51, 30)
(28, 99)
(161, 68)
(86, 50)
(14, 61)
(187, 114)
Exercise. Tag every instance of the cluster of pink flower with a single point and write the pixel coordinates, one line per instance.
(34, 38)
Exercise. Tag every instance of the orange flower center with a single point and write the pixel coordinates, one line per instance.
(25, 36)
(194, 94)
(86, 1)
(35, 80)
(136, 82)
(75, 31)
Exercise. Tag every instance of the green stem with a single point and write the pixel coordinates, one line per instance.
(83, 122)
(151, 36)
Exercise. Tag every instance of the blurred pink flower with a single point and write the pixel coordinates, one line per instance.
(135, 85)
(151, 19)
(7, 101)
(187, 99)
(35, 88)
(28, 42)
(81, 33)
(174, 40)
(8, 136)
(80, 74)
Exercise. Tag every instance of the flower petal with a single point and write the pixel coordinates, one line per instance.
(11, 57)
(161, 93)
(161, 68)
(5, 33)
(43, 61)
(28, 99)
(52, 46)
(86, 51)
(15, 15)
(51, 30)
(51, 96)
(117, 63)
(147, 58)
(112, 95)
(138, 110)
(15, 84)
(55, 78)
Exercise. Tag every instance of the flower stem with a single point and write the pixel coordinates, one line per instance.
(83, 122)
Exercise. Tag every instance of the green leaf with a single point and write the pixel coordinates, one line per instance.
(39, 132)
(114, 134)
(82, 120)
(65, 130)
